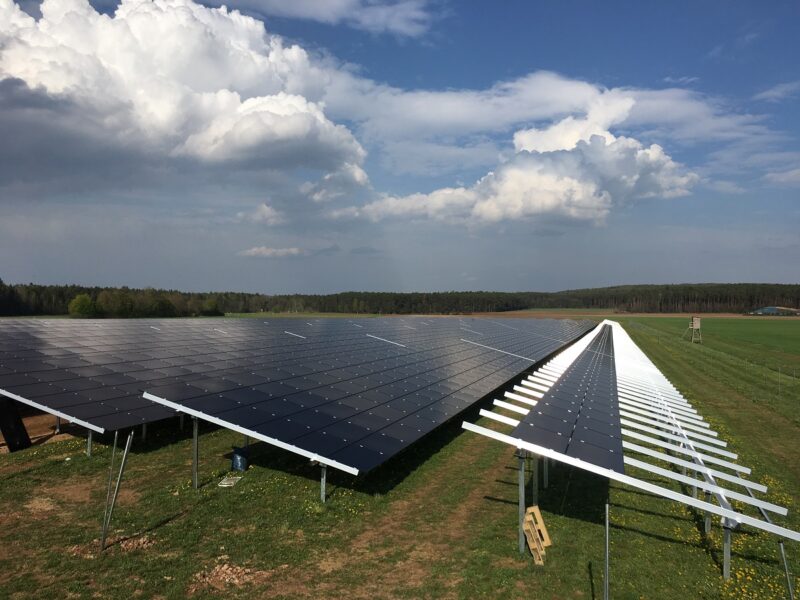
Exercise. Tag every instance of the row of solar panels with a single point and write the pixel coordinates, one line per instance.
(579, 416)
(352, 391)
(602, 405)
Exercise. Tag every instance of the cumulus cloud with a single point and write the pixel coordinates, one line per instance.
(604, 111)
(410, 18)
(178, 80)
(436, 132)
(336, 184)
(573, 170)
(172, 86)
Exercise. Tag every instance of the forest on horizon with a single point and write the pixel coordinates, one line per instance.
(32, 299)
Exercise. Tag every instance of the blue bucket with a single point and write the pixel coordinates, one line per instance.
(239, 461)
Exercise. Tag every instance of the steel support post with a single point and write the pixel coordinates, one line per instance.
(322, 482)
(246, 441)
(534, 479)
(786, 569)
(726, 553)
(180, 422)
(89, 443)
(110, 509)
(110, 476)
(708, 514)
(58, 424)
(144, 431)
(195, 451)
(605, 579)
(521, 461)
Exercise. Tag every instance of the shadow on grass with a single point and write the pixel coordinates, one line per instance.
(591, 579)
(575, 494)
(157, 525)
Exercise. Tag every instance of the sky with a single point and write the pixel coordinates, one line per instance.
(318, 146)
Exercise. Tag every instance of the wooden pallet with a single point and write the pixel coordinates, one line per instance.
(536, 534)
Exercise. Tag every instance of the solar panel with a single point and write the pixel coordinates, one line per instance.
(356, 391)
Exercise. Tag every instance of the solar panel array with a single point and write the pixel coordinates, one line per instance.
(358, 390)
(579, 415)
(602, 404)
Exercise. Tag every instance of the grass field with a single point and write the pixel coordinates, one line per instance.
(438, 521)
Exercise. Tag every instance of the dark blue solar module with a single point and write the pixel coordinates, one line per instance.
(579, 415)
(354, 390)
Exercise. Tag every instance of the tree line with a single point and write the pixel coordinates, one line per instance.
(33, 299)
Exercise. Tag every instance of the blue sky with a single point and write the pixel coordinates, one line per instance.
(321, 146)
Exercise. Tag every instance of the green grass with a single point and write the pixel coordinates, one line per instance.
(437, 521)
(302, 315)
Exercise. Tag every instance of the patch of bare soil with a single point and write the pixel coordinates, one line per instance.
(127, 497)
(87, 551)
(123, 544)
(38, 506)
(140, 542)
(224, 575)
(71, 490)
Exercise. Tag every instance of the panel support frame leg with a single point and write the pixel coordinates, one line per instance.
(89, 443)
(786, 570)
(726, 553)
(323, 482)
(110, 476)
(534, 479)
(195, 451)
(521, 461)
(707, 527)
(110, 508)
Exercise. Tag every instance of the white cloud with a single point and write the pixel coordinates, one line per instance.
(790, 177)
(684, 80)
(606, 110)
(388, 112)
(263, 213)
(781, 91)
(582, 182)
(265, 252)
(180, 80)
(179, 83)
(336, 184)
(410, 18)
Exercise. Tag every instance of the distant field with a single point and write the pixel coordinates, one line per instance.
(439, 521)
